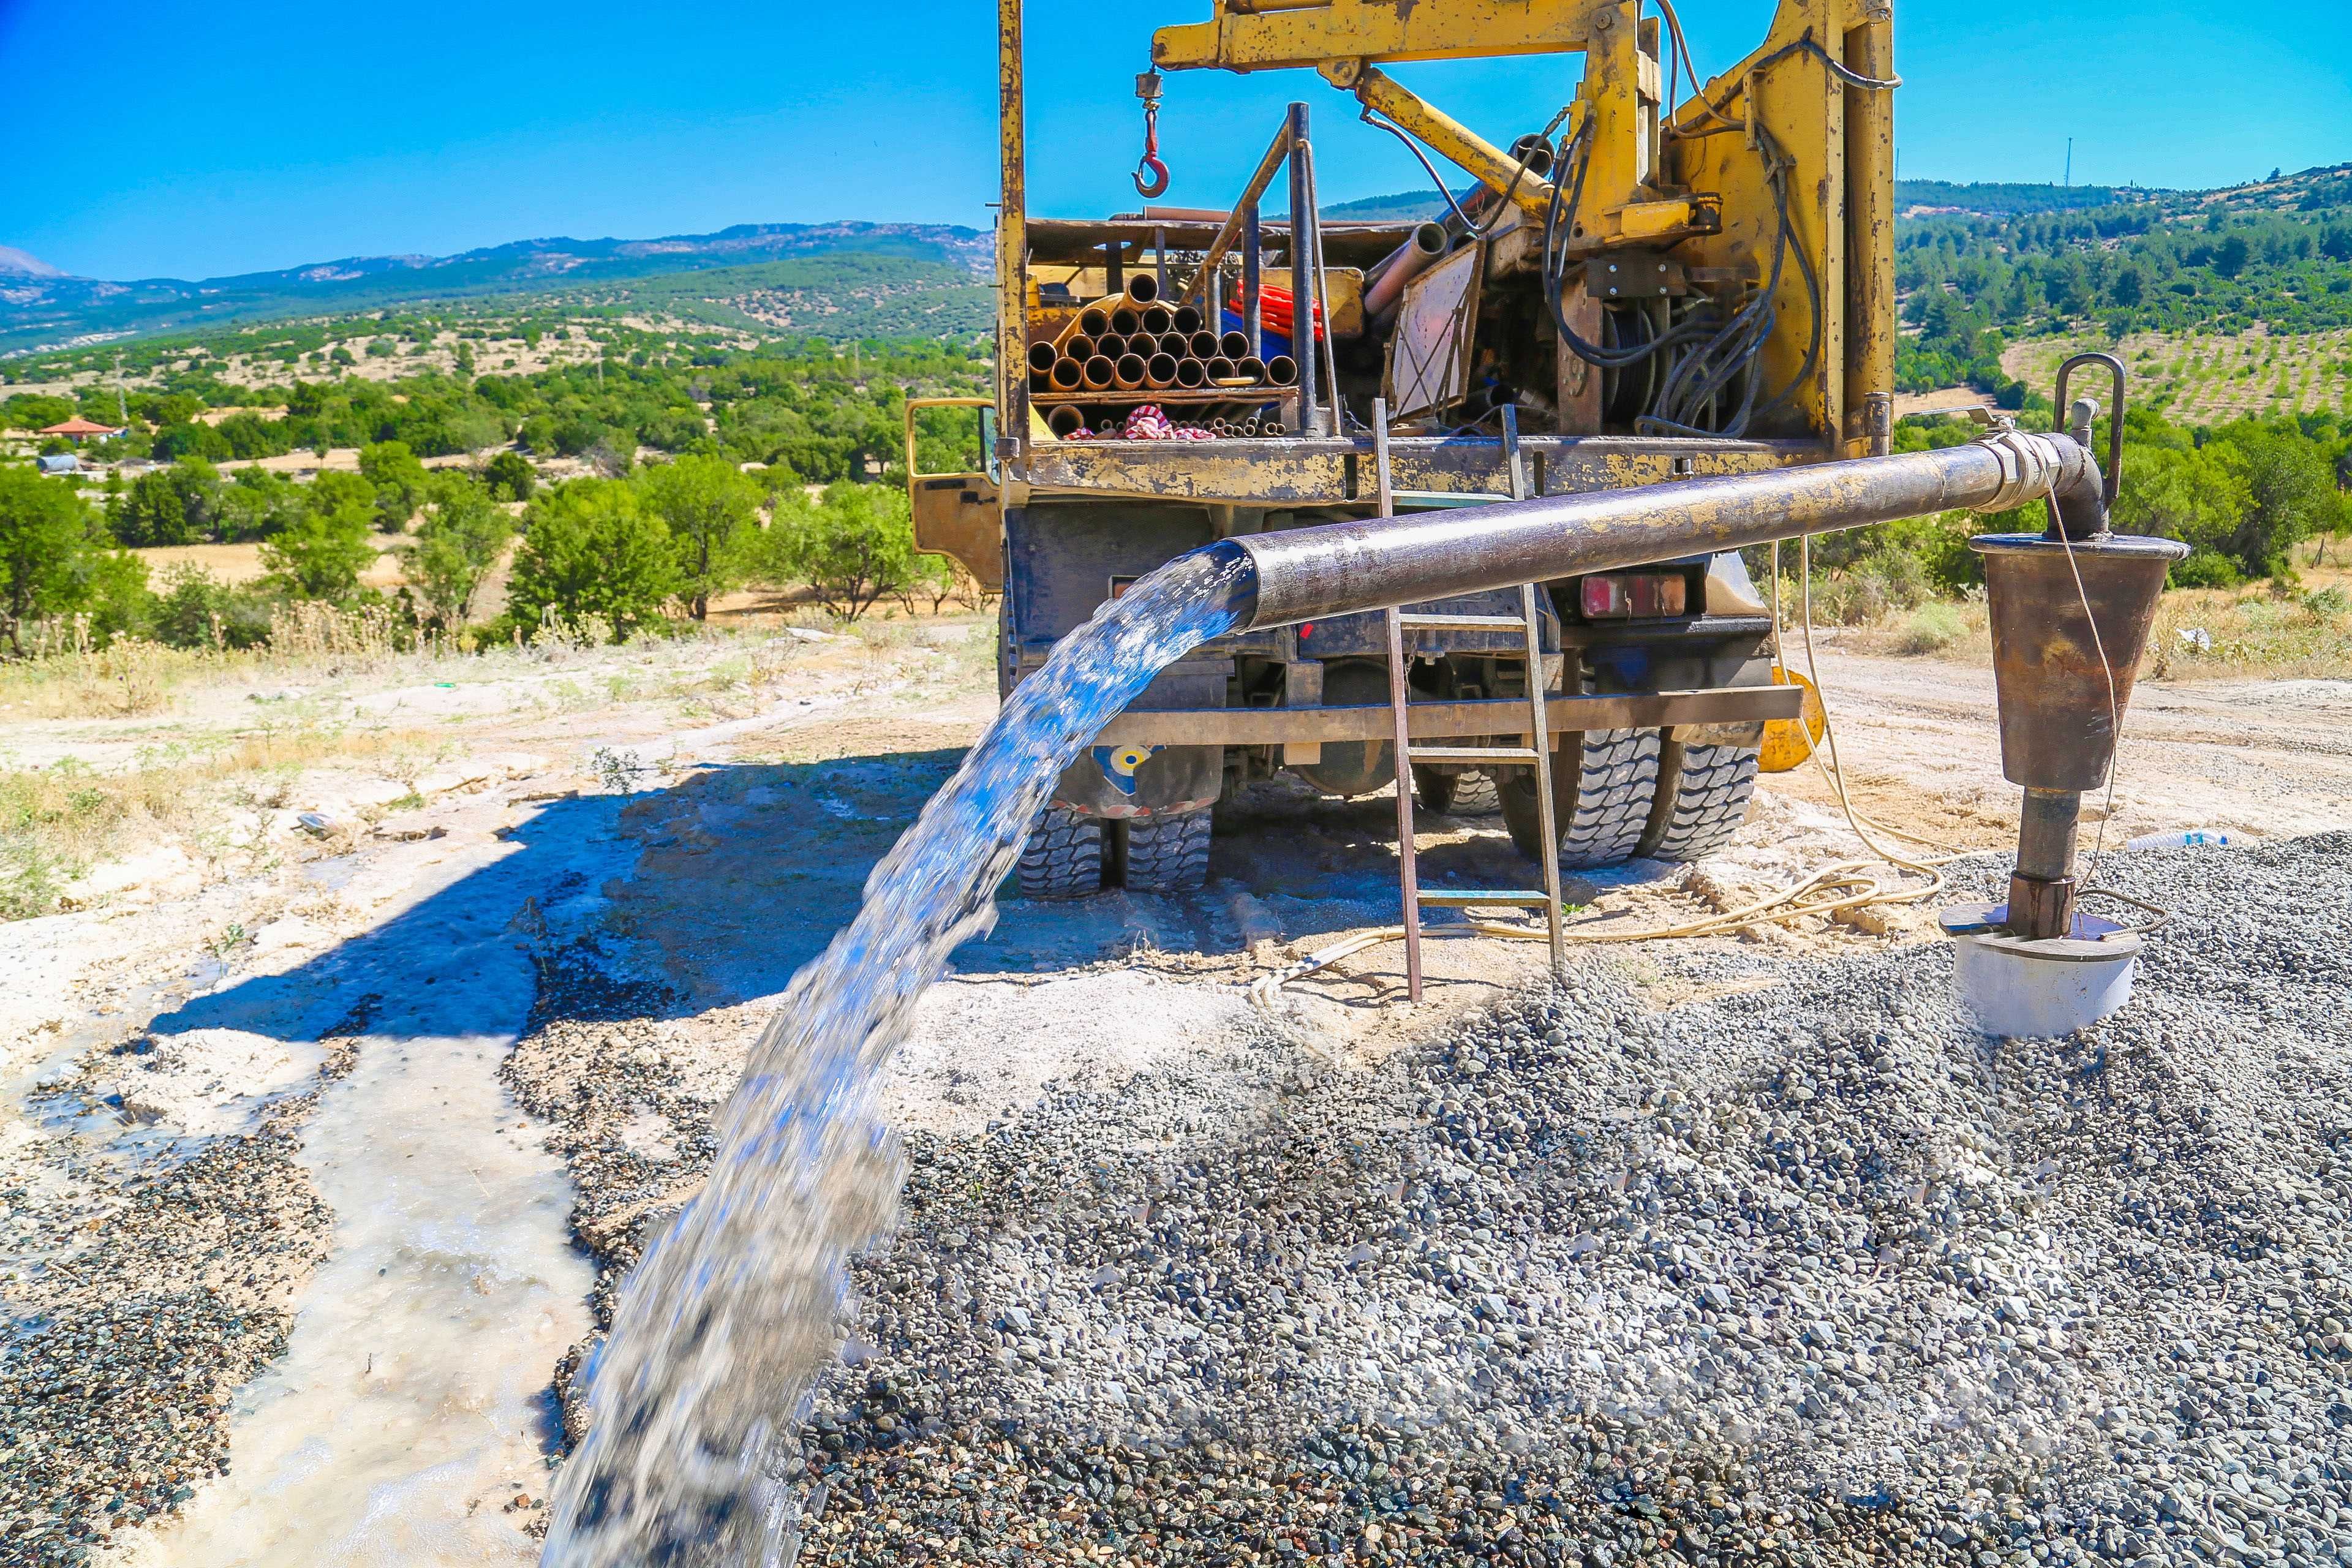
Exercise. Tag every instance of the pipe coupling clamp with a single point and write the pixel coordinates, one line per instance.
(2030, 468)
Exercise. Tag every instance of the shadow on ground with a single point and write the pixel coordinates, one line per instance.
(717, 887)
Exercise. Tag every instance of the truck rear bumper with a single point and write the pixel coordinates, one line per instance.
(1436, 721)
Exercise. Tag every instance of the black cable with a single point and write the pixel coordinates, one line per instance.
(1807, 45)
(1385, 123)
(1741, 341)
(1554, 271)
(1398, 131)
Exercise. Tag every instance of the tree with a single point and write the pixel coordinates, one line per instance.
(45, 536)
(591, 552)
(2197, 496)
(321, 553)
(2293, 496)
(34, 411)
(510, 477)
(707, 505)
(177, 505)
(257, 504)
(400, 481)
(855, 546)
(456, 546)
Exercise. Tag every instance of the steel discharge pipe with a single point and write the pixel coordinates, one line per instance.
(1340, 568)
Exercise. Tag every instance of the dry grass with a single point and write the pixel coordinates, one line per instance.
(57, 822)
(133, 676)
(2289, 634)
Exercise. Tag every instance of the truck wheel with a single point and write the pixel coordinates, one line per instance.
(1703, 793)
(1434, 790)
(1466, 793)
(1474, 794)
(1168, 853)
(1063, 856)
(1604, 783)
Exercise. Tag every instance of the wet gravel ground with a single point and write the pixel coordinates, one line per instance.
(139, 1294)
(1805, 1273)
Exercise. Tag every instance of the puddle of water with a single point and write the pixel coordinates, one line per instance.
(411, 1404)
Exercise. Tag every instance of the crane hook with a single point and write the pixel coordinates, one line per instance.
(1147, 88)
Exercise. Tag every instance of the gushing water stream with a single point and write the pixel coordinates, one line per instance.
(724, 1326)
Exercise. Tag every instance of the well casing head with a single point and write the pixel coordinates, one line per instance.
(2057, 717)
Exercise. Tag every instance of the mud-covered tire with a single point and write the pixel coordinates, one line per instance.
(1604, 784)
(1434, 790)
(1168, 853)
(1466, 793)
(1703, 795)
(1062, 857)
(1474, 794)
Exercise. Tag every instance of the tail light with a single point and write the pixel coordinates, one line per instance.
(1634, 596)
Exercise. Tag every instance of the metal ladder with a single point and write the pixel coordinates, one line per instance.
(1537, 754)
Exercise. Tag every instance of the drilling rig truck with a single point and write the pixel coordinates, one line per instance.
(1672, 279)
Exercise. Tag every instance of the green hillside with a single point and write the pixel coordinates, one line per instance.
(40, 312)
(2270, 261)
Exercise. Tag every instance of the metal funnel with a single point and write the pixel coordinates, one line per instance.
(2070, 620)
(2051, 662)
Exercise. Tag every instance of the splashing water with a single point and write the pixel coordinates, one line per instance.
(723, 1328)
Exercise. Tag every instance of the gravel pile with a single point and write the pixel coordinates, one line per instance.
(1806, 1273)
(140, 1294)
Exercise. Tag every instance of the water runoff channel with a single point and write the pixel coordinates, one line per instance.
(724, 1328)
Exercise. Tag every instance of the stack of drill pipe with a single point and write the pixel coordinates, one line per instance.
(1384, 284)
(1119, 351)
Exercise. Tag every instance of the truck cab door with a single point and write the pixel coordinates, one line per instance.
(958, 514)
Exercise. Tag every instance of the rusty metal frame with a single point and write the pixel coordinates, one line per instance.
(1336, 471)
(1563, 713)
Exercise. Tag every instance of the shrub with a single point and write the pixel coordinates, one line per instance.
(196, 610)
(1931, 628)
(456, 545)
(2205, 569)
(510, 477)
(591, 552)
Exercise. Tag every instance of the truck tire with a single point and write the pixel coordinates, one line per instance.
(1703, 793)
(1167, 852)
(1466, 793)
(1474, 794)
(1062, 857)
(1603, 784)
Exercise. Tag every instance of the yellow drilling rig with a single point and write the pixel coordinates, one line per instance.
(1671, 280)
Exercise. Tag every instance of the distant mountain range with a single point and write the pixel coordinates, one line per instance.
(41, 308)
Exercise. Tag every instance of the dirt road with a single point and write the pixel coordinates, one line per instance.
(512, 979)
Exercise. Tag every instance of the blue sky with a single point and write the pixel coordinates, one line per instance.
(165, 138)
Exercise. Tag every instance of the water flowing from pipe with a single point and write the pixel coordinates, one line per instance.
(724, 1328)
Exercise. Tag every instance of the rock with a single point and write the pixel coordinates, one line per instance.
(164, 871)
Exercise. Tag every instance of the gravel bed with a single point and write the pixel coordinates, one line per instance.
(144, 1293)
(1807, 1273)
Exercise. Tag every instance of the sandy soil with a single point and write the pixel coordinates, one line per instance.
(1943, 400)
(538, 963)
